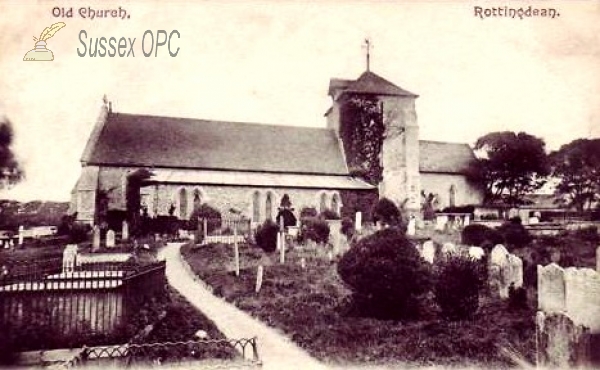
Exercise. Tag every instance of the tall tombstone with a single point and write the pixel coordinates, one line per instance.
(467, 220)
(125, 231)
(412, 227)
(551, 288)
(516, 270)
(21, 235)
(259, 278)
(358, 222)
(428, 251)
(96, 239)
(582, 297)
(498, 278)
(598, 260)
(110, 239)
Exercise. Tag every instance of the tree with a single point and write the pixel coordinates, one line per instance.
(577, 164)
(9, 166)
(510, 165)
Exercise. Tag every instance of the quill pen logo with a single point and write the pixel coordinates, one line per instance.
(40, 53)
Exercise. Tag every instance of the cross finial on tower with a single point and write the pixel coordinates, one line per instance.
(368, 46)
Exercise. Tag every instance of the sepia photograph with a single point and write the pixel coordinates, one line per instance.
(261, 184)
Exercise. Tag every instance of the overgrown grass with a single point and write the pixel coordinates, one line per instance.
(310, 305)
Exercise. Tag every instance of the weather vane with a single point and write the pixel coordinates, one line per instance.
(40, 52)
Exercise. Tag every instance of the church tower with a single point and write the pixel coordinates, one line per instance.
(395, 166)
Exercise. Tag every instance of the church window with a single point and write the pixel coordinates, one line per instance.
(256, 206)
(323, 203)
(183, 204)
(452, 195)
(335, 203)
(269, 206)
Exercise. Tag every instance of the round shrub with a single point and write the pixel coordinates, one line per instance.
(481, 236)
(386, 275)
(266, 236)
(315, 229)
(386, 212)
(457, 285)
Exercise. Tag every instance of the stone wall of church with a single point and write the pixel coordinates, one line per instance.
(159, 198)
(441, 184)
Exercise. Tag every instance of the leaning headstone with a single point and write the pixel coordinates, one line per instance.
(21, 235)
(125, 231)
(551, 288)
(110, 239)
(259, 278)
(96, 239)
(412, 227)
(428, 251)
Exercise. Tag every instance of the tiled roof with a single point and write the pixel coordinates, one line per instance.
(441, 157)
(151, 141)
(368, 83)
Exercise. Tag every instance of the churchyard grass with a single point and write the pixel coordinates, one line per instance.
(309, 305)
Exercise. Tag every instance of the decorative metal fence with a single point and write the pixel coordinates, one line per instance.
(170, 352)
(224, 230)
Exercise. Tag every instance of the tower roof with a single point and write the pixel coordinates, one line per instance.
(367, 83)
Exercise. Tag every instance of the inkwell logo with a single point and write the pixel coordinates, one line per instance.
(40, 53)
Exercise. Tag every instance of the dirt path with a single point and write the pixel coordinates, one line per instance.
(275, 349)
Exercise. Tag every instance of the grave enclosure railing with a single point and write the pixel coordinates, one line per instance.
(75, 308)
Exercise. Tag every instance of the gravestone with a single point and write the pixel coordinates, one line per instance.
(110, 239)
(259, 278)
(561, 343)
(440, 222)
(467, 220)
(598, 260)
(303, 263)
(476, 252)
(412, 227)
(96, 239)
(449, 248)
(69, 258)
(551, 288)
(358, 222)
(21, 234)
(125, 231)
(428, 253)
(582, 297)
(515, 271)
(498, 277)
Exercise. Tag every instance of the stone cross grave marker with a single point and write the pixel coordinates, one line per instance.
(551, 288)
(428, 253)
(96, 239)
(259, 278)
(125, 231)
(110, 239)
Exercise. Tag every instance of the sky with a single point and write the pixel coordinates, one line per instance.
(271, 61)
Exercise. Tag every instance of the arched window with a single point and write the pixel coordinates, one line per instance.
(183, 204)
(269, 206)
(323, 202)
(197, 198)
(452, 195)
(335, 203)
(256, 206)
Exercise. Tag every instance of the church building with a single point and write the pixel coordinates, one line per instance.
(246, 168)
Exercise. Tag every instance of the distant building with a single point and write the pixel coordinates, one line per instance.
(249, 167)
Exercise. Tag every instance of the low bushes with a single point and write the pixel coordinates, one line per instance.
(266, 236)
(458, 282)
(482, 236)
(386, 275)
(315, 229)
(514, 233)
